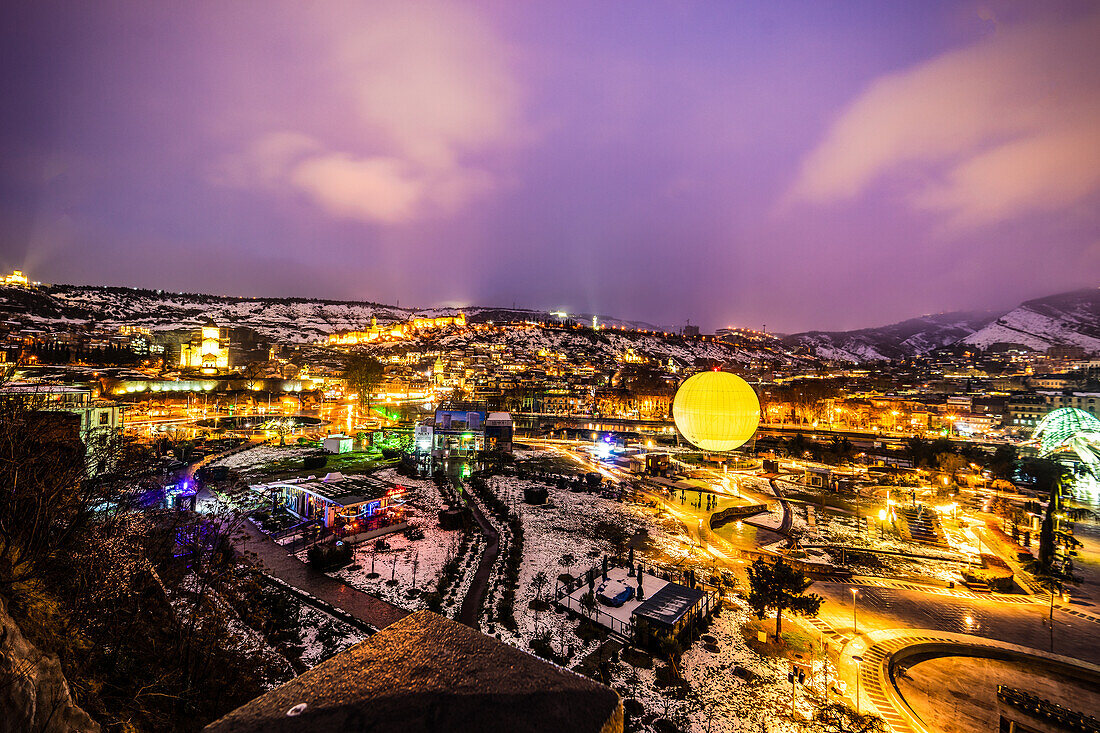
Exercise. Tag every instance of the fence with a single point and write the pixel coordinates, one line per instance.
(625, 629)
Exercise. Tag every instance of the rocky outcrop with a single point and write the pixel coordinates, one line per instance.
(34, 695)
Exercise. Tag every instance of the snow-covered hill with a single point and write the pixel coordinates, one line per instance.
(1068, 319)
(1065, 319)
(607, 345)
(896, 341)
(282, 319)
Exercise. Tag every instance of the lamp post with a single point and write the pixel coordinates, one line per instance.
(855, 594)
(881, 520)
(858, 660)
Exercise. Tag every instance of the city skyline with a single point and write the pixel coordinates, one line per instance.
(824, 167)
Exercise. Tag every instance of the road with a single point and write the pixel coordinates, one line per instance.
(1024, 622)
(1021, 620)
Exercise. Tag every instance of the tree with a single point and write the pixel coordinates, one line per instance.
(363, 374)
(839, 718)
(672, 651)
(539, 582)
(778, 586)
(1003, 462)
(951, 463)
(282, 426)
(916, 449)
(1046, 539)
(152, 614)
(253, 374)
(568, 560)
(1044, 474)
(588, 604)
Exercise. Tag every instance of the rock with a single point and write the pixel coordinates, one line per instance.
(35, 695)
(709, 639)
(632, 707)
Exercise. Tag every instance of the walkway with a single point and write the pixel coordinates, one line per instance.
(788, 515)
(280, 564)
(878, 582)
(884, 647)
(475, 596)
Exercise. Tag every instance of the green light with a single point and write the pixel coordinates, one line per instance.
(1069, 427)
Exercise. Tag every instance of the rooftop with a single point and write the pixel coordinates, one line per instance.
(669, 604)
(344, 490)
(428, 673)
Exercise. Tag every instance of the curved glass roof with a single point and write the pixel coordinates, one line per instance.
(1068, 427)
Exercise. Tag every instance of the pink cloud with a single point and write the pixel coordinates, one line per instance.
(1006, 126)
(418, 90)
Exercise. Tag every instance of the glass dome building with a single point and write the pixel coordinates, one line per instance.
(1070, 429)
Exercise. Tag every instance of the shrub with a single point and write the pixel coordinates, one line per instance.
(540, 645)
(434, 601)
(329, 557)
(314, 461)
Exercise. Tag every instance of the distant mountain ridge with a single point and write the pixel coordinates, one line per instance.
(286, 319)
(1065, 319)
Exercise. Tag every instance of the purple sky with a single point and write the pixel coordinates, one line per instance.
(804, 165)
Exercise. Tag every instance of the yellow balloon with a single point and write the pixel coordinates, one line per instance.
(716, 411)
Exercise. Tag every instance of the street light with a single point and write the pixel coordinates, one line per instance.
(855, 594)
(881, 520)
(858, 660)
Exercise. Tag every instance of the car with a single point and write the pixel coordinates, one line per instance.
(614, 593)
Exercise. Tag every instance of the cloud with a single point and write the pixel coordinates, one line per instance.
(425, 89)
(1007, 126)
(386, 190)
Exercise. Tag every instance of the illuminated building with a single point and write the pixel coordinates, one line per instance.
(338, 443)
(498, 432)
(716, 411)
(207, 350)
(456, 430)
(395, 332)
(94, 423)
(16, 279)
(1070, 429)
(337, 499)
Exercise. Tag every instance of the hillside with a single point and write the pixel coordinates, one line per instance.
(607, 345)
(1071, 318)
(302, 320)
(287, 320)
(1067, 319)
(896, 341)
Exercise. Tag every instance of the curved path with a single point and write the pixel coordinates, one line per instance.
(788, 515)
(889, 647)
(475, 595)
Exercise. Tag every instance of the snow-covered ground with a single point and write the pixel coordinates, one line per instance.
(423, 558)
(261, 455)
(576, 524)
(323, 636)
(753, 483)
(730, 704)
